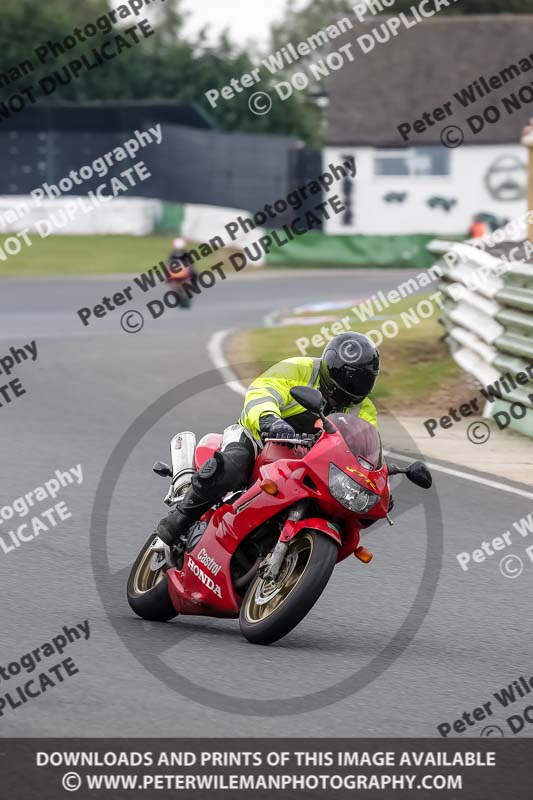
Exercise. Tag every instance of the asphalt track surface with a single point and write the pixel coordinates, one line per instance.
(470, 633)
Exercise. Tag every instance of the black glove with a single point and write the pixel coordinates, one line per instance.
(276, 428)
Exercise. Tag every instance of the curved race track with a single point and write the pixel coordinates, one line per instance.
(84, 391)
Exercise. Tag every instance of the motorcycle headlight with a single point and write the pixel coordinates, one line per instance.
(349, 493)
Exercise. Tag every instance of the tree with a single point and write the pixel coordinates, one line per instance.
(467, 7)
(299, 23)
(164, 66)
(216, 66)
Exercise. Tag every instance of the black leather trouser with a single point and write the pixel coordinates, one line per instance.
(232, 470)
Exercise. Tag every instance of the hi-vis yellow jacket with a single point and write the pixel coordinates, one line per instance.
(270, 394)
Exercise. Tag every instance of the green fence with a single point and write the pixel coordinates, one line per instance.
(171, 220)
(318, 249)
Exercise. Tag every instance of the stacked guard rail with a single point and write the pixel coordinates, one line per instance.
(488, 302)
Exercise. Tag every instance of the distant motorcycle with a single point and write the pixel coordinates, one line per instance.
(267, 552)
(181, 274)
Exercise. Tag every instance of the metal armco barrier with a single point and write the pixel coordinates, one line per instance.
(488, 313)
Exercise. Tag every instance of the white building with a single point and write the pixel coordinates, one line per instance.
(466, 81)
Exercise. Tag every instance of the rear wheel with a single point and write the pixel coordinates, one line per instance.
(147, 588)
(185, 299)
(271, 609)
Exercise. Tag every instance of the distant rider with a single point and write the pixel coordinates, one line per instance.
(176, 265)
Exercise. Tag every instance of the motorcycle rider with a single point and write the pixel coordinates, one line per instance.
(175, 264)
(345, 375)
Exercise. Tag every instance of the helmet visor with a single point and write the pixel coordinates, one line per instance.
(350, 384)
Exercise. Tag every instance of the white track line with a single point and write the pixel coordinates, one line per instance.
(215, 348)
(467, 476)
(271, 320)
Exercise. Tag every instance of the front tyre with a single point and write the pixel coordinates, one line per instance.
(271, 609)
(147, 588)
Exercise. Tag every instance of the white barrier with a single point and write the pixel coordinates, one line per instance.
(202, 223)
(133, 216)
(488, 311)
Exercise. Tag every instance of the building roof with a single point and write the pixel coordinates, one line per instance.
(421, 69)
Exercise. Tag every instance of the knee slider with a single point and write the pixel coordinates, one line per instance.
(212, 469)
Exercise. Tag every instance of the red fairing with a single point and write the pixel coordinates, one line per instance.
(204, 585)
(181, 274)
(273, 452)
(292, 529)
(206, 447)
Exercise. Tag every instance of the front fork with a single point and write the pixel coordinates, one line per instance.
(271, 566)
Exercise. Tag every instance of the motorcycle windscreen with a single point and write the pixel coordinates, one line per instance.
(361, 437)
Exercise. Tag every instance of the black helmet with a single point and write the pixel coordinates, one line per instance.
(348, 369)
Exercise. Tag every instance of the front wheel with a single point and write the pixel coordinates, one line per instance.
(148, 585)
(271, 609)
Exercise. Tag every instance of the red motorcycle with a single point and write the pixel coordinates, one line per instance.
(266, 553)
(181, 275)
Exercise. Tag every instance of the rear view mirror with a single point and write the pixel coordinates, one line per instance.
(419, 474)
(311, 399)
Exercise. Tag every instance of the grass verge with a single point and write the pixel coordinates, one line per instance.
(92, 255)
(417, 371)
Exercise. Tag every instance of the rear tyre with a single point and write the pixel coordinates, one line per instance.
(271, 609)
(147, 588)
(185, 300)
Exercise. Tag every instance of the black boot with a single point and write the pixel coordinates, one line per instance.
(203, 492)
(174, 528)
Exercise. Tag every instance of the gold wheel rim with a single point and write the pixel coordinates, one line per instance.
(150, 569)
(267, 596)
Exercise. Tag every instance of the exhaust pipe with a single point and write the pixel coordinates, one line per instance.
(182, 449)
